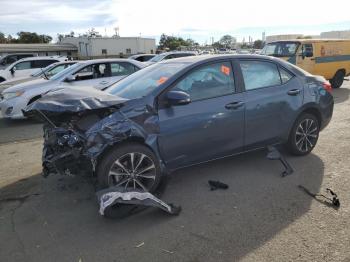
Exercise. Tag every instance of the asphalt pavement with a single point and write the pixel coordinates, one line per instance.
(260, 217)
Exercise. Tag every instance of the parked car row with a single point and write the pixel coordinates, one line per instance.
(95, 73)
(26, 66)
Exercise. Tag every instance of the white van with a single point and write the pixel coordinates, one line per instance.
(26, 66)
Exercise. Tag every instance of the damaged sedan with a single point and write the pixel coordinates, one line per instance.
(178, 113)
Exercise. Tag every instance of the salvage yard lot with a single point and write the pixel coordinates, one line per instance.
(261, 217)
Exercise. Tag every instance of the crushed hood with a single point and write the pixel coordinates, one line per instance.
(73, 100)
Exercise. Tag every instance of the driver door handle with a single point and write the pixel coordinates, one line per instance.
(234, 105)
(104, 82)
(293, 92)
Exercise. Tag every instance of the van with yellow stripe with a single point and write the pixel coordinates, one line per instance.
(328, 58)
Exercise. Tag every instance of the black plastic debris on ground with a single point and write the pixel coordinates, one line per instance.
(332, 201)
(120, 202)
(274, 154)
(214, 185)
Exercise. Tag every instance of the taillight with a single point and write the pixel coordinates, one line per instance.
(327, 86)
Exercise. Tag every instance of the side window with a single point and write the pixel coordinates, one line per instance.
(208, 81)
(42, 63)
(285, 76)
(258, 74)
(91, 72)
(122, 69)
(169, 57)
(23, 65)
(55, 70)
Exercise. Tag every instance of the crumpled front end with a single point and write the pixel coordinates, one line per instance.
(63, 151)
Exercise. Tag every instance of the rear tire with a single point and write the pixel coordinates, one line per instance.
(338, 79)
(304, 135)
(2, 79)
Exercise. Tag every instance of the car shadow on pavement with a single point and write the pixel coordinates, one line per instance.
(340, 95)
(58, 217)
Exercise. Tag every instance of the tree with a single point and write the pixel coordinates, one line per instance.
(174, 43)
(258, 44)
(217, 45)
(28, 38)
(59, 37)
(228, 41)
(3, 39)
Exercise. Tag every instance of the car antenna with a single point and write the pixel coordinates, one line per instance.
(46, 118)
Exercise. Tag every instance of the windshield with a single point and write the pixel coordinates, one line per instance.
(39, 72)
(145, 81)
(65, 71)
(157, 58)
(281, 49)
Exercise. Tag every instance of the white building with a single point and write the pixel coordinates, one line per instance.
(98, 47)
(39, 49)
(272, 38)
(336, 34)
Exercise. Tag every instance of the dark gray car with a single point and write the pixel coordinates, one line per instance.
(182, 112)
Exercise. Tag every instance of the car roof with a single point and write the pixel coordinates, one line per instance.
(308, 40)
(197, 60)
(39, 58)
(109, 60)
(178, 52)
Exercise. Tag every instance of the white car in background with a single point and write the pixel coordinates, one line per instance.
(27, 66)
(47, 72)
(99, 74)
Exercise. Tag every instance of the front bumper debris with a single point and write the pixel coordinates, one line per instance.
(115, 197)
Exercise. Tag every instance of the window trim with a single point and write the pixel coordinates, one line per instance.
(160, 97)
(291, 74)
(265, 61)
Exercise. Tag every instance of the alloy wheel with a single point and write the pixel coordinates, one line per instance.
(306, 135)
(133, 171)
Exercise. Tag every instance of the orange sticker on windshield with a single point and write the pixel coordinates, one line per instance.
(225, 70)
(162, 80)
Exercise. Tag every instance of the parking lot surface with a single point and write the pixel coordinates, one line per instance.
(260, 217)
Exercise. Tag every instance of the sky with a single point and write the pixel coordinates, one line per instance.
(199, 20)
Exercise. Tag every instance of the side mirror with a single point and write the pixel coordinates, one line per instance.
(175, 98)
(69, 78)
(13, 70)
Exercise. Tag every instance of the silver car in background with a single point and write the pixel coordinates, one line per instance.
(99, 74)
(46, 72)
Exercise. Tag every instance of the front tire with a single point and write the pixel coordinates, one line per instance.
(304, 135)
(131, 166)
(338, 79)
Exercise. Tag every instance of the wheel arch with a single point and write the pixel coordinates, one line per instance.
(2, 79)
(307, 109)
(34, 98)
(133, 140)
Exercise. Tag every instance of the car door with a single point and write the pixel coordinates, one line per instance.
(272, 98)
(95, 75)
(305, 58)
(211, 125)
